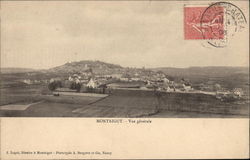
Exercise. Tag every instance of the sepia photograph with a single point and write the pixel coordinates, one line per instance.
(125, 59)
(127, 79)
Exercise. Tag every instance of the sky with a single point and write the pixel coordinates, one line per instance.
(42, 35)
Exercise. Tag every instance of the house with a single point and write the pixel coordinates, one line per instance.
(27, 81)
(166, 80)
(187, 87)
(70, 78)
(179, 86)
(91, 84)
(238, 92)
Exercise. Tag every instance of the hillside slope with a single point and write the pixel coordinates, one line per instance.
(82, 66)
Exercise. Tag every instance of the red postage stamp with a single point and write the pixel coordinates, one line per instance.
(203, 23)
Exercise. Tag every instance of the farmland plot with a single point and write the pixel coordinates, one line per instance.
(20, 94)
(173, 103)
(120, 103)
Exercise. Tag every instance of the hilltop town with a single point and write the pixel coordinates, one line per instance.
(86, 75)
(101, 77)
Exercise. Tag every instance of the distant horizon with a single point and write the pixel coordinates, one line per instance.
(122, 66)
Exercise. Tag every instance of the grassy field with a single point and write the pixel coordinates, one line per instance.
(202, 103)
(175, 102)
(121, 103)
(51, 106)
(21, 94)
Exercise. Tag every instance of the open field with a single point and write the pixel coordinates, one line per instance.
(21, 94)
(121, 103)
(50, 106)
(175, 102)
(50, 109)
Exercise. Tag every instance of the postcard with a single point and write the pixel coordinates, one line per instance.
(125, 79)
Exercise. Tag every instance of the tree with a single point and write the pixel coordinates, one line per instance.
(53, 85)
(78, 87)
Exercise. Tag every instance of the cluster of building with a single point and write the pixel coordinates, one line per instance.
(109, 77)
(141, 79)
(225, 95)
